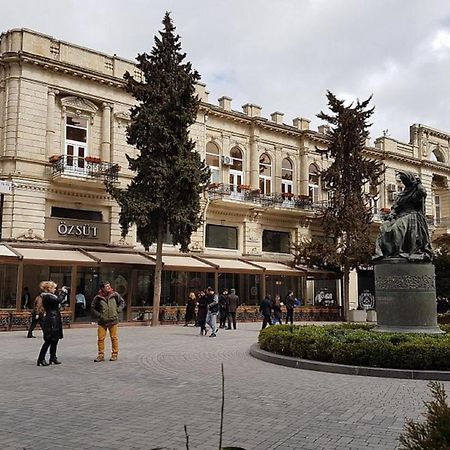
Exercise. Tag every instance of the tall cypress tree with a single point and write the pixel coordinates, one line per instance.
(346, 221)
(169, 175)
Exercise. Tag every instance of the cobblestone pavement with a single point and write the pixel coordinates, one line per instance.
(169, 376)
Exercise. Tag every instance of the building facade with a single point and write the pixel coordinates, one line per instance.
(63, 118)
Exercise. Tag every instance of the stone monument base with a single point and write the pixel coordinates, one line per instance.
(405, 297)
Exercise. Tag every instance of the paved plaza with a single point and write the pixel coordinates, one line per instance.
(169, 376)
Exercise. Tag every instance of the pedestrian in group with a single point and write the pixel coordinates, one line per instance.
(223, 308)
(202, 311)
(37, 315)
(26, 297)
(52, 323)
(265, 307)
(106, 307)
(277, 313)
(190, 309)
(232, 306)
(80, 302)
(212, 302)
(289, 302)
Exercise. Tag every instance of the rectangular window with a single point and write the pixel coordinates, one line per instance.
(276, 241)
(219, 236)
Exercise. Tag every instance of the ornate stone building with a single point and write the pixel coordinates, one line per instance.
(63, 116)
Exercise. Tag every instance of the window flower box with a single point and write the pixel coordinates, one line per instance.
(213, 185)
(93, 159)
(287, 195)
(385, 210)
(54, 159)
(243, 187)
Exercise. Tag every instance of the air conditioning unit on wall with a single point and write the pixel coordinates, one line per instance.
(227, 160)
(391, 187)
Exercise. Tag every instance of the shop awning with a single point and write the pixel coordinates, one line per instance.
(5, 252)
(186, 264)
(120, 258)
(319, 273)
(52, 256)
(233, 265)
(274, 268)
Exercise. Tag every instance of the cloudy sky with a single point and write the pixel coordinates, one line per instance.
(280, 54)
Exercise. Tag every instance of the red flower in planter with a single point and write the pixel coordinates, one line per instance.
(54, 159)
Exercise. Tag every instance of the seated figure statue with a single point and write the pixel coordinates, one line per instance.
(404, 233)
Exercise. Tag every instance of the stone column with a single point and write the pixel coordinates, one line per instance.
(12, 110)
(50, 130)
(254, 159)
(304, 168)
(2, 120)
(106, 132)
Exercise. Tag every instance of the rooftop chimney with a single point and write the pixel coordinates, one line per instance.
(277, 117)
(301, 123)
(252, 110)
(225, 103)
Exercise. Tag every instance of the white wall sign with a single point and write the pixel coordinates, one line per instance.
(6, 187)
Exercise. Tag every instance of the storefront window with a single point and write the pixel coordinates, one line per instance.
(8, 283)
(175, 286)
(247, 286)
(281, 285)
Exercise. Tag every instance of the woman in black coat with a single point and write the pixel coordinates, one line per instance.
(52, 324)
(202, 311)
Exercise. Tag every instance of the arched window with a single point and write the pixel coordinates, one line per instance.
(313, 185)
(236, 173)
(213, 161)
(265, 174)
(287, 175)
(437, 156)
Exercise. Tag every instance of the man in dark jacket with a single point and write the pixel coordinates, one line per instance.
(223, 308)
(105, 308)
(232, 306)
(265, 308)
(289, 302)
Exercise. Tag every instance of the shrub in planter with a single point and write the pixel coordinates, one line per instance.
(357, 345)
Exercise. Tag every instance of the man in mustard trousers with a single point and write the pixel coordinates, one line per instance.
(106, 307)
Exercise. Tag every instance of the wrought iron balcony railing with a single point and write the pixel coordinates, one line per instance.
(244, 194)
(87, 167)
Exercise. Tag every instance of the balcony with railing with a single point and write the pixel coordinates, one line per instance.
(89, 168)
(244, 194)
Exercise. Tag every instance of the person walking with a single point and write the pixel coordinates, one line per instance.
(223, 308)
(190, 309)
(277, 313)
(232, 306)
(289, 302)
(52, 323)
(37, 315)
(105, 307)
(212, 303)
(265, 308)
(202, 310)
(26, 298)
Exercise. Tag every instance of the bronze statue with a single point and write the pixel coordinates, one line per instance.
(404, 234)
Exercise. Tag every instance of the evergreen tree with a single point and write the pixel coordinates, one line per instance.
(169, 175)
(434, 433)
(346, 221)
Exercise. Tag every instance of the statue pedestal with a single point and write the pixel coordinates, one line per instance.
(405, 296)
